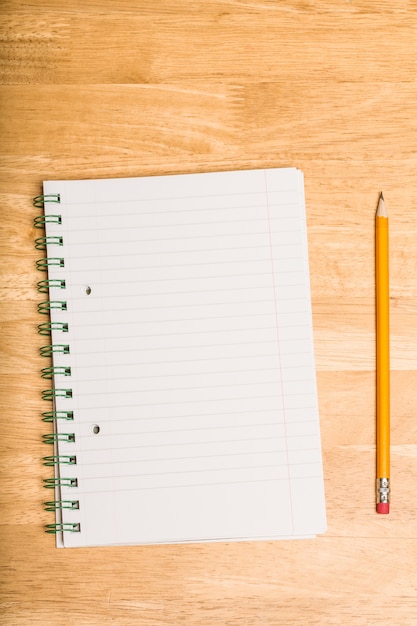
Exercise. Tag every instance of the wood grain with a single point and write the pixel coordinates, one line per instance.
(99, 88)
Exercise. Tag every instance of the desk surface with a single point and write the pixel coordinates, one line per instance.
(93, 88)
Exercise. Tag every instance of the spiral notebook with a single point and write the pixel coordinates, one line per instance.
(179, 346)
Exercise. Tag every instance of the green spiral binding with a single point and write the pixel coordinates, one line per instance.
(45, 285)
(47, 305)
(62, 528)
(52, 438)
(39, 201)
(54, 505)
(51, 483)
(48, 327)
(57, 370)
(41, 220)
(42, 242)
(54, 416)
(43, 264)
(50, 349)
(51, 394)
(59, 460)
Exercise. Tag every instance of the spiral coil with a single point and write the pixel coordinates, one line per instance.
(42, 242)
(52, 483)
(57, 459)
(48, 327)
(62, 528)
(55, 416)
(45, 285)
(45, 307)
(54, 505)
(58, 370)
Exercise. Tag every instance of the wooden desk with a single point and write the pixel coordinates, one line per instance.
(99, 88)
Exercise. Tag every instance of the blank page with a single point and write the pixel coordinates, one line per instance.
(191, 353)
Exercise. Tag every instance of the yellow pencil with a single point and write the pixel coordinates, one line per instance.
(382, 360)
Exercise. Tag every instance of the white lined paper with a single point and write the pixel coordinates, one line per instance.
(193, 354)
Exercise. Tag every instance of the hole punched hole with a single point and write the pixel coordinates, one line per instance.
(96, 429)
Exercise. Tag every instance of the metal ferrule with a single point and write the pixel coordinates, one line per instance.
(382, 490)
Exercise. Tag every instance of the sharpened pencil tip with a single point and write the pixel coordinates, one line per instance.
(381, 196)
(381, 210)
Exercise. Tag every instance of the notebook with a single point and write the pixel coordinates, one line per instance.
(179, 348)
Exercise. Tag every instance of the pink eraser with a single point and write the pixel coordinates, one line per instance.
(382, 507)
